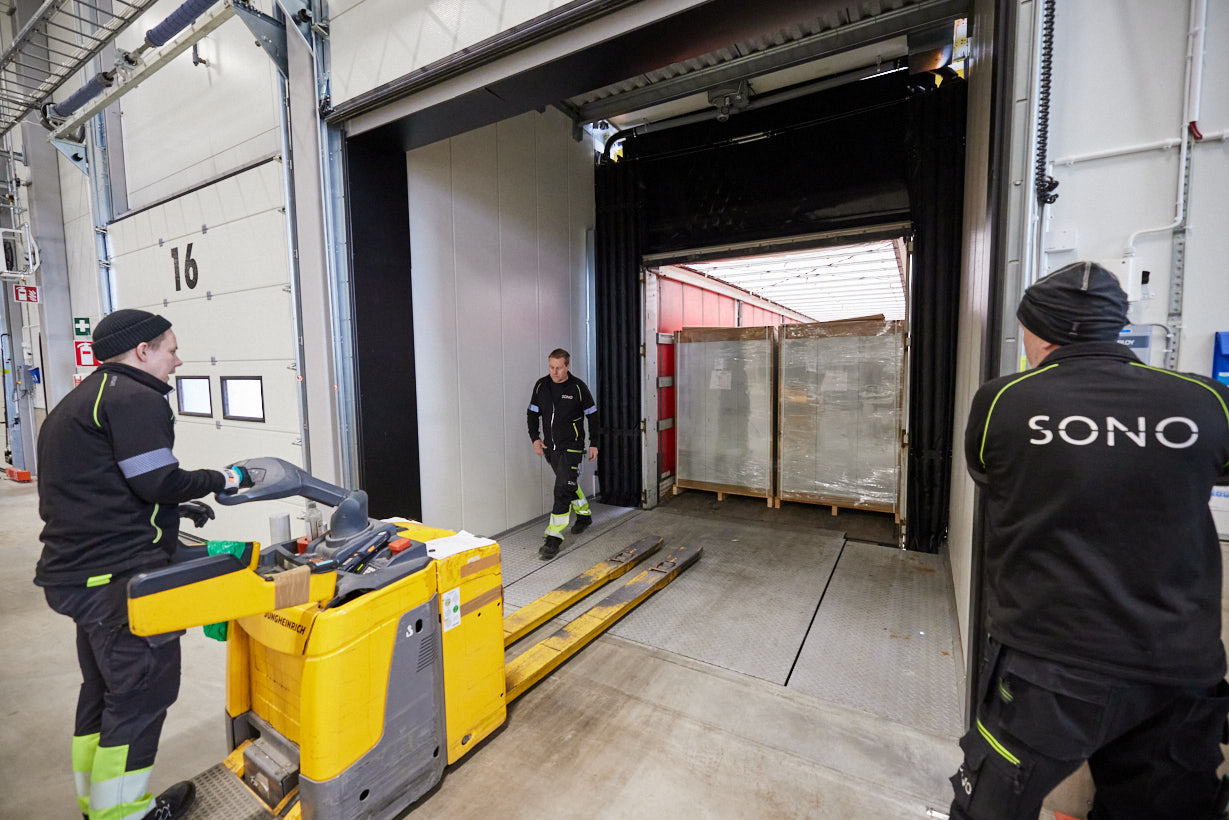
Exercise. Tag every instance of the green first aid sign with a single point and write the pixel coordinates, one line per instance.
(81, 326)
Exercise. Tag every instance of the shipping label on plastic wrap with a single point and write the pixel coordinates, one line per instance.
(721, 380)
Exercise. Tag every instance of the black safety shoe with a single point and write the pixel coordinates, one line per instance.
(582, 523)
(550, 547)
(1221, 810)
(174, 802)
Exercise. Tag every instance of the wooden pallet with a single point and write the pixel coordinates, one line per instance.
(722, 490)
(837, 504)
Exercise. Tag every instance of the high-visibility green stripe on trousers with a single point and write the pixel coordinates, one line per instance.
(84, 749)
(116, 794)
(580, 503)
(556, 525)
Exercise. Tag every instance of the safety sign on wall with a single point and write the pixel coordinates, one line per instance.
(85, 354)
(81, 326)
(25, 293)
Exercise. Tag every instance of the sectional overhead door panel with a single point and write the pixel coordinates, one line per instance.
(214, 262)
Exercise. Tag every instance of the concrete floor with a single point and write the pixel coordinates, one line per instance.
(625, 729)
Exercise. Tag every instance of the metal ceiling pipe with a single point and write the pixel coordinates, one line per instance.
(159, 35)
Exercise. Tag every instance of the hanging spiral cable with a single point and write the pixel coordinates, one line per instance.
(1043, 183)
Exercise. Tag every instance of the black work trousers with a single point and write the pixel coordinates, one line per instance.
(1153, 750)
(128, 682)
(566, 465)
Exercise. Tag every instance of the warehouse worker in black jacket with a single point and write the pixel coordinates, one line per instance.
(563, 403)
(1102, 567)
(110, 492)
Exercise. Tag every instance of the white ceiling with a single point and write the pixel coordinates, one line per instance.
(824, 283)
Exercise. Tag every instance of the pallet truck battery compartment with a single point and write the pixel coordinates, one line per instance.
(357, 669)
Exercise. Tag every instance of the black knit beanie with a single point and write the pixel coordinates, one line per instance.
(1081, 302)
(124, 329)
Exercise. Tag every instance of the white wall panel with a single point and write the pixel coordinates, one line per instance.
(236, 321)
(1205, 306)
(479, 306)
(375, 41)
(1126, 91)
(1123, 88)
(187, 123)
(199, 444)
(433, 275)
(1105, 201)
(497, 224)
(524, 473)
(528, 478)
(554, 283)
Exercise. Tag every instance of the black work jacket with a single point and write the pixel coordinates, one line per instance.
(1101, 551)
(562, 425)
(108, 482)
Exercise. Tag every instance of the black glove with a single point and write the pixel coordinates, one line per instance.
(200, 512)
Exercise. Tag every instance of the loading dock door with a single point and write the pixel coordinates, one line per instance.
(214, 262)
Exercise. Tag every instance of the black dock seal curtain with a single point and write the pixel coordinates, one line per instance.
(619, 333)
(935, 146)
(386, 395)
(870, 153)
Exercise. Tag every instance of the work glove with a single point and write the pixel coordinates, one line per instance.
(237, 478)
(218, 631)
(200, 512)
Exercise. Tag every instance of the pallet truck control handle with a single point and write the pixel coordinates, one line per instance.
(274, 478)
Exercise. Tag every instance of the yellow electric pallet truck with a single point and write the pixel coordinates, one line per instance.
(361, 664)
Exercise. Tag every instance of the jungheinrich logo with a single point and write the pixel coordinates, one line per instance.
(282, 620)
(1174, 432)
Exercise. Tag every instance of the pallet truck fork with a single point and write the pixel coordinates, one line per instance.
(362, 664)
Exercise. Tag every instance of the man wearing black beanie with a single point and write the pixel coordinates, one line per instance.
(1102, 568)
(110, 496)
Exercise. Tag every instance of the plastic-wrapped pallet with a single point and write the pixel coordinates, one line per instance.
(725, 408)
(840, 405)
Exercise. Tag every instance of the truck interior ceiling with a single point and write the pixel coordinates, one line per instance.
(740, 131)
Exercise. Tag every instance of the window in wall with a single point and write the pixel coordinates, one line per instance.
(243, 398)
(193, 396)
